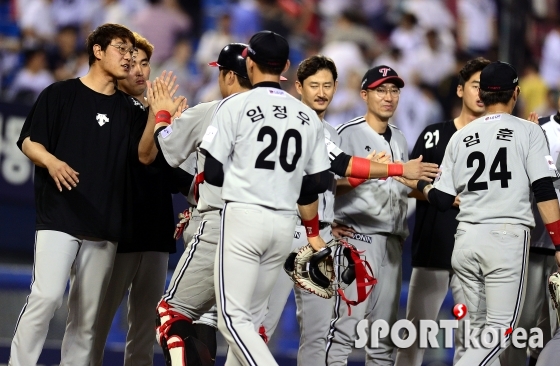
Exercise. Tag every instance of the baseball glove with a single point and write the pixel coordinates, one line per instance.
(554, 287)
(312, 271)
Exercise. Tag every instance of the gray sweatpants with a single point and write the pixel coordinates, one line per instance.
(88, 263)
(490, 260)
(551, 351)
(539, 268)
(254, 244)
(191, 289)
(427, 290)
(384, 253)
(313, 312)
(143, 275)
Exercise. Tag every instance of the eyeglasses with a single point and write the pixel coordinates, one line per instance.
(123, 50)
(382, 92)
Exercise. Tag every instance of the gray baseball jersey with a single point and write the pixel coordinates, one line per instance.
(377, 205)
(178, 140)
(267, 127)
(189, 166)
(491, 164)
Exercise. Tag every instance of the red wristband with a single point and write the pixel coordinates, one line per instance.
(395, 170)
(354, 182)
(360, 168)
(311, 226)
(554, 232)
(163, 116)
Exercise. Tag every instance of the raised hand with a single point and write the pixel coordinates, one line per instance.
(533, 117)
(159, 98)
(416, 169)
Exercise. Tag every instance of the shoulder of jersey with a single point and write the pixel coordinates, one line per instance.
(350, 125)
(396, 129)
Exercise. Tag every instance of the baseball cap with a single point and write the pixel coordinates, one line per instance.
(230, 59)
(268, 48)
(498, 76)
(379, 75)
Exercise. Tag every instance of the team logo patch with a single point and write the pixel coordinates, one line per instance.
(211, 132)
(362, 237)
(493, 117)
(277, 93)
(384, 71)
(550, 163)
(297, 234)
(102, 119)
(166, 132)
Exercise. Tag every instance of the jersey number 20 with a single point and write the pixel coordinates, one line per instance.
(500, 161)
(262, 163)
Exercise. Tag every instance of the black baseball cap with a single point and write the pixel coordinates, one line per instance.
(498, 76)
(230, 59)
(379, 75)
(268, 48)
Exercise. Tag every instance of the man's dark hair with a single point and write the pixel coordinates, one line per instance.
(243, 82)
(472, 67)
(103, 36)
(310, 66)
(272, 70)
(491, 98)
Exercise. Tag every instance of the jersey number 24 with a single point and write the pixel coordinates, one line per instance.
(262, 163)
(500, 162)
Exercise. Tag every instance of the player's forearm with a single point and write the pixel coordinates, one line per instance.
(362, 168)
(309, 211)
(147, 149)
(36, 153)
(343, 186)
(417, 194)
(549, 211)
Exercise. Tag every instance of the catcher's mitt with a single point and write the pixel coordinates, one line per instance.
(312, 271)
(554, 287)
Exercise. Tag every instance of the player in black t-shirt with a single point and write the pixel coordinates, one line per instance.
(433, 238)
(143, 251)
(78, 135)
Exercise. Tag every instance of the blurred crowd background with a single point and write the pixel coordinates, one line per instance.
(425, 41)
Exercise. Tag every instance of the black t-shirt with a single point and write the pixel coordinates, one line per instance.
(148, 216)
(434, 231)
(91, 132)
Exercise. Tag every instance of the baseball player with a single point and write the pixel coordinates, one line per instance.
(78, 135)
(376, 213)
(259, 142)
(433, 237)
(190, 295)
(493, 163)
(316, 83)
(141, 261)
(541, 265)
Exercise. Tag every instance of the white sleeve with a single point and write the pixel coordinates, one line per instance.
(178, 140)
(445, 181)
(219, 138)
(319, 159)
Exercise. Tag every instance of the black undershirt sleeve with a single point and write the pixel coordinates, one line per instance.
(340, 164)
(312, 185)
(441, 200)
(543, 189)
(156, 140)
(213, 171)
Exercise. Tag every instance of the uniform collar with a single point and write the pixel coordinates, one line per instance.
(267, 84)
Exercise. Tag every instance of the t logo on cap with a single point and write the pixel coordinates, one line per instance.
(384, 71)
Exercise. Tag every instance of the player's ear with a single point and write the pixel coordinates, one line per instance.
(335, 85)
(97, 51)
(363, 94)
(299, 87)
(460, 91)
(286, 67)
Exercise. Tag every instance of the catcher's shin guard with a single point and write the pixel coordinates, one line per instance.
(176, 335)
